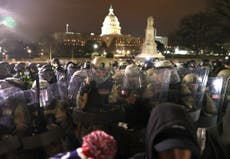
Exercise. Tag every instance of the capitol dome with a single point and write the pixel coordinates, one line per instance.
(111, 24)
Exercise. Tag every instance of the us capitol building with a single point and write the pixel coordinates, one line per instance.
(111, 38)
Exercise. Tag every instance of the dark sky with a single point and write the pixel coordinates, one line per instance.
(36, 17)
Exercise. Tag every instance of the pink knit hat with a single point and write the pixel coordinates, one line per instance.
(99, 145)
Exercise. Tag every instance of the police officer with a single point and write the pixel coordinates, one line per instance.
(96, 86)
(4, 70)
(47, 73)
(19, 69)
(133, 83)
(54, 119)
(74, 84)
(15, 119)
(70, 68)
(28, 77)
(58, 69)
(217, 138)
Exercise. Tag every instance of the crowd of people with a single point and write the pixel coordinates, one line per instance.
(112, 109)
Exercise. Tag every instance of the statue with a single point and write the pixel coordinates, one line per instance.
(149, 49)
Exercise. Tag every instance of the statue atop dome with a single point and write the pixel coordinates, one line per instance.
(111, 25)
(149, 49)
(111, 10)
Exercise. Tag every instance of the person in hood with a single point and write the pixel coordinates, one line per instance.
(170, 134)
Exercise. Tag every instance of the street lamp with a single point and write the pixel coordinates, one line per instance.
(95, 46)
(29, 51)
(4, 56)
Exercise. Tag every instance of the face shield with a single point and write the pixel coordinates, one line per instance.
(44, 98)
(214, 88)
(225, 106)
(6, 89)
(101, 69)
(211, 102)
(47, 93)
(132, 81)
(55, 63)
(192, 90)
(190, 84)
(47, 75)
(157, 84)
(174, 78)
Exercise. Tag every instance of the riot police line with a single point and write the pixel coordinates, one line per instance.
(42, 112)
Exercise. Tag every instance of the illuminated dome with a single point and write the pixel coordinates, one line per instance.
(111, 24)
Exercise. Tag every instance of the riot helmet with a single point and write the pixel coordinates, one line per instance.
(46, 72)
(133, 81)
(190, 64)
(189, 84)
(55, 62)
(19, 67)
(4, 70)
(147, 65)
(86, 65)
(164, 64)
(101, 69)
(115, 64)
(216, 63)
(122, 65)
(157, 84)
(33, 68)
(192, 92)
(205, 64)
(224, 73)
(100, 62)
(167, 64)
(12, 71)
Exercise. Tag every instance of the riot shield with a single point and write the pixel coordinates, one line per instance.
(115, 92)
(62, 90)
(132, 85)
(214, 88)
(74, 84)
(224, 115)
(192, 88)
(157, 84)
(211, 102)
(47, 94)
(7, 89)
(14, 116)
(48, 112)
(46, 103)
(226, 94)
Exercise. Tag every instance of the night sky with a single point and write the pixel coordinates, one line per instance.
(36, 17)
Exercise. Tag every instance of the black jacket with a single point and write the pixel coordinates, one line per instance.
(214, 146)
(162, 118)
